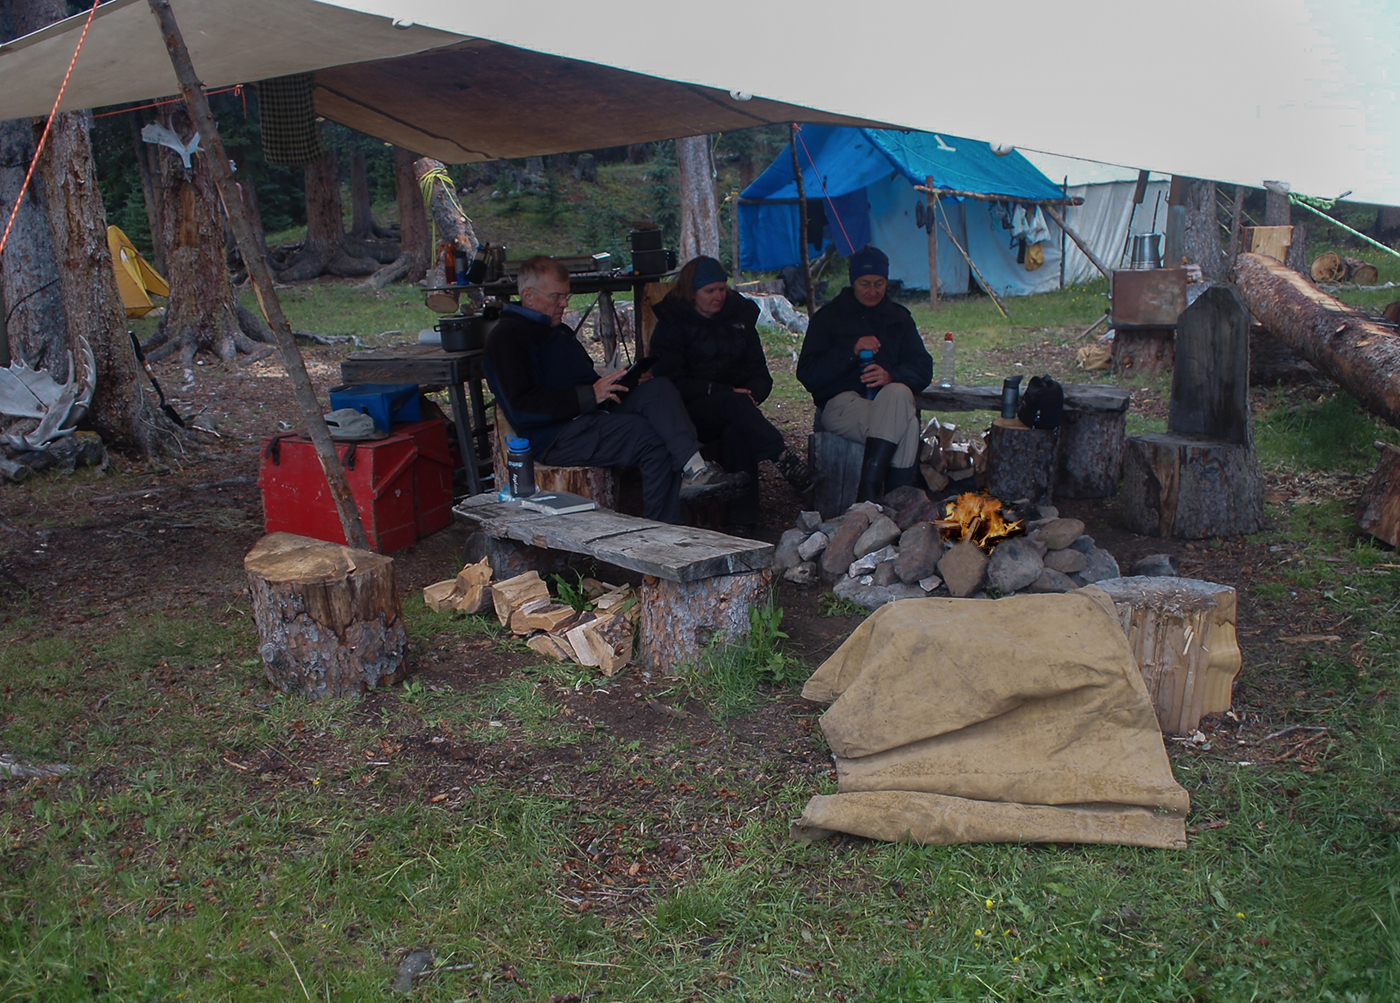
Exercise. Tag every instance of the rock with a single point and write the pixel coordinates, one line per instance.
(871, 510)
(841, 551)
(930, 583)
(829, 527)
(786, 555)
(1157, 566)
(1060, 533)
(1014, 565)
(874, 596)
(922, 509)
(884, 573)
(812, 546)
(902, 496)
(865, 565)
(1038, 543)
(1047, 512)
(1066, 561)
(1101, 565)
(1084, 544)
(804, 574)
(881, 533)
(920, 547)
(964, 569)
(1051, 580)
(808, 520)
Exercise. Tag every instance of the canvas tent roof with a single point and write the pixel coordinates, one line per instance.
(1327, 120)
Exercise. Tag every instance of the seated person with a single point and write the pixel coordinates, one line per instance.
(706, 343)
(862, 317)
(544, 379)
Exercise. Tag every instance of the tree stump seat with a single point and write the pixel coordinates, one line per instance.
(697, 585)
(598, 483)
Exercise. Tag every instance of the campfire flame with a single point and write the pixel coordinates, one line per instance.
(977, 517)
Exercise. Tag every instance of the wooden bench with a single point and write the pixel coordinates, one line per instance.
(697, 585)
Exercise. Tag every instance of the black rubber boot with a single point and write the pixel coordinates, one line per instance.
(899, 477)
(874, 467)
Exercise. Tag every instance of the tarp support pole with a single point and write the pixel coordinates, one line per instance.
(1079, 241)
(251, 250)
(929, 199)
(802, 221)
(970, 263)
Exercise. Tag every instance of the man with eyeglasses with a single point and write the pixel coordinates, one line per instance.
(545, 381)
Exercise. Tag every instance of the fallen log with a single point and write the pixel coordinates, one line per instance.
(1378, 511)
(1362, 356)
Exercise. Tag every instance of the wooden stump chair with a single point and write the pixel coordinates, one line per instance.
(598, 483)
(1200, 478)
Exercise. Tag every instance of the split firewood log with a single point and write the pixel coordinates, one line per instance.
(1363, 273)
(469, 592)
(605, 642)
(553, 646)
(513, 593)
(541, 614)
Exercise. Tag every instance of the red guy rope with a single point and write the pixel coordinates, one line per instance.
(815, 173)
(47, 125)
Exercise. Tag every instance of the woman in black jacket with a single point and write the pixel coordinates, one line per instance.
(706, 343)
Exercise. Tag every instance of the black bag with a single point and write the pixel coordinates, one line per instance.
(1042, 404)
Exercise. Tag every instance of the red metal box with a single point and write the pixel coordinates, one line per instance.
(297, 499)
(432, 474)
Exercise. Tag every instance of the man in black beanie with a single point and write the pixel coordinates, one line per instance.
(868, 400)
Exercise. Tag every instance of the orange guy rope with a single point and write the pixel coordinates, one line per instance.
(5, 239)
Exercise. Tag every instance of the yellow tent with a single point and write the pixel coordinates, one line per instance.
(136, 279)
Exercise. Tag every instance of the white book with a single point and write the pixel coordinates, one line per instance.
(558, 503)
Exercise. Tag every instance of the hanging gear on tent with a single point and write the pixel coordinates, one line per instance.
(169, 411)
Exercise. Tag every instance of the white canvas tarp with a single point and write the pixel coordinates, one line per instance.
(1318, 109)
(1023, 719)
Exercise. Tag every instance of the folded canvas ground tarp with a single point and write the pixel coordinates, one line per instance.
(1023, 719)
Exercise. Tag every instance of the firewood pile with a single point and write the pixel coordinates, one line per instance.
(1329, 266)
(600, 635)
(909, 546)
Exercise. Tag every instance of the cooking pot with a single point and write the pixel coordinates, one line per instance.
(462, 333)
(1147, 250)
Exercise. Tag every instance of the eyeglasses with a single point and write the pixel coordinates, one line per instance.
(557, 297)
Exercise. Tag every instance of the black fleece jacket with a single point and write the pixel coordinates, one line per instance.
(540, 375)
(828, 365)
(703, 355)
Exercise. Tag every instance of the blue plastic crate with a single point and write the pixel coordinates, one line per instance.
(385, 403)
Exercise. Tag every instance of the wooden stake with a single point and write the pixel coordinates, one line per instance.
(251, 249)
(802, 220)
(929, 199)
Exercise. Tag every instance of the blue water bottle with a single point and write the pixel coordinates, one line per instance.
(866, 357)
(520, 470)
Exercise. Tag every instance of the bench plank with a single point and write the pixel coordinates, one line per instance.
(1078, 397)
(675, 553)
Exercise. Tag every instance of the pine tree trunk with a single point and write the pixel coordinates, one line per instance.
(699, 211)
(148, 164)
(37, 326)
(361, 209)
(1386, 228)
(324, 251)
(1201, 239)
(414, 253)
(200, 316)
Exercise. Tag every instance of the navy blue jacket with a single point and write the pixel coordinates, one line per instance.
(541, 376)
(828, 365)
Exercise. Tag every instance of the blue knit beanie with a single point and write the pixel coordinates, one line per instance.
(708, 271)
(869, 260)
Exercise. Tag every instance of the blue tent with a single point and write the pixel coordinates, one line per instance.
(863, 178)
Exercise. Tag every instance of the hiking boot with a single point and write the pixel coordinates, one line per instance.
(712, 483)
(796, 472)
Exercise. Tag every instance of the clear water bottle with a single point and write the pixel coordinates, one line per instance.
(947, 361)
(866, 357)
(520, 469)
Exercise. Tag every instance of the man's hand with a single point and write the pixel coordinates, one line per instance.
(869, 342)
(745, 391)
(607, 388)
(875, 376)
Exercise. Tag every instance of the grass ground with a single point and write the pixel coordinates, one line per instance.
(550, 835)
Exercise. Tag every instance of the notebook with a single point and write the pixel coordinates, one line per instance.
(558, 503)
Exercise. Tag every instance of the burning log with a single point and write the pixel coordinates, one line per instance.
(1360, 355)
(978, 519)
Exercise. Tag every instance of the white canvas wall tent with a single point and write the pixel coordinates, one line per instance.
(474, 80)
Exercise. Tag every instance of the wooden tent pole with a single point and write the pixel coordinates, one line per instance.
(802, 220)
(929, 200)
(1060, 221)
(984, 197)
(251, 250)
(968, 258)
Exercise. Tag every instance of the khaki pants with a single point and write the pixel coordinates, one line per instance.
(890, 416)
